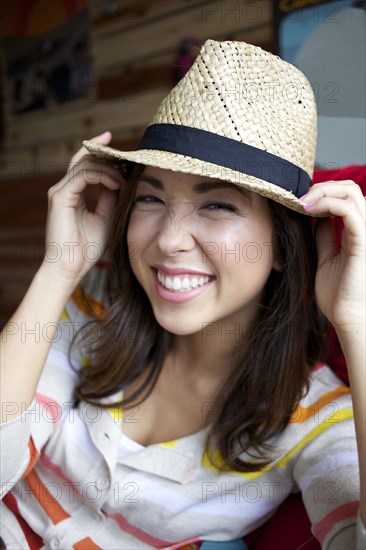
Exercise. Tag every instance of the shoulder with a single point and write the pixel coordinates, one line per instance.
(322, 416)
(328, 402)
(325, 388)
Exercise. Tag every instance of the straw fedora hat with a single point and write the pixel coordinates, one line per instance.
(241, 115)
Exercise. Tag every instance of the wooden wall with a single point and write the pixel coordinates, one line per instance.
(134, 52)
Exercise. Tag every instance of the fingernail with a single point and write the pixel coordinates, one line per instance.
(304, 200)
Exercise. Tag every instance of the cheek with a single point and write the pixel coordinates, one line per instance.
(140, 222)
(219, 236)
(143, 224)
(249, 244)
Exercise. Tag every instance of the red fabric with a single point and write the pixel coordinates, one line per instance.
(34, 541)
(288, 529)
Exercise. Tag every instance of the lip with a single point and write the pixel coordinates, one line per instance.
(178, 297)
(179, 270)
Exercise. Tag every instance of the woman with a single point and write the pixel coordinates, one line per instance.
(207, 333)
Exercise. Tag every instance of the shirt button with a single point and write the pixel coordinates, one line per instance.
(102, 482)
(55, 543)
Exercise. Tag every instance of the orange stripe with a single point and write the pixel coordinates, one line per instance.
(33, 457)
(78, 298)
(47, 501)
(302, 414)
(86, 544)
(346, 511)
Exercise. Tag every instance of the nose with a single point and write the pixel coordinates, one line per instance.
(175, 235)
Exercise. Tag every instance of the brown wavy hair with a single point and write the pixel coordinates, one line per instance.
(271, 371)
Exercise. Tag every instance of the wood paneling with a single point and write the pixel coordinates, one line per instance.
(224, 19)
(134, 52)
(120, 115)
(136, 13)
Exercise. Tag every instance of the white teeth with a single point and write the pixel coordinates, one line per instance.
(177, 285)
(168, 282)
(194, 282)
(181, 284)
(185, 283)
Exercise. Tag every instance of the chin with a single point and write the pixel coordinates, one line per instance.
(174, 325)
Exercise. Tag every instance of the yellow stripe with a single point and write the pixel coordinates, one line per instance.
(302, 414)
(85, 361)
(169, 444)
(116, 413)
(218, 459)
(65, 316)
(339, 416)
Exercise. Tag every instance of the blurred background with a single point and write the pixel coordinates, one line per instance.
(71, 69)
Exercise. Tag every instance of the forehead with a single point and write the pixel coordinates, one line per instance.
(164, 179)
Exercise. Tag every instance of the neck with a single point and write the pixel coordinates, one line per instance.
(205, 359)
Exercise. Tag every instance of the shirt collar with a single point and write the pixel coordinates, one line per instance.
(178, 460)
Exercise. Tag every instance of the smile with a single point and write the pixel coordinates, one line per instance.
(181, 287)
(182, 283)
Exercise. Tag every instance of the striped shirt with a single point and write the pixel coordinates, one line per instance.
(72, 479)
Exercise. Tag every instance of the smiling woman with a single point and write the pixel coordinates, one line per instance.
(202, 401)
(174, 227)
(164, 229)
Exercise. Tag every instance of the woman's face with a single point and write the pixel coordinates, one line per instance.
(201, 249)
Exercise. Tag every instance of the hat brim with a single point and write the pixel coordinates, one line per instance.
(189, 165)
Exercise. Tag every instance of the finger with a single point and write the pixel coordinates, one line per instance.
(103, 139)
(78, 159)
(93, 171)
(91, 177)
(72, 191)
(326, 244)
(347, 190)
(353, 217)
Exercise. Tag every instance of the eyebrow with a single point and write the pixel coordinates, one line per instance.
(202, 187)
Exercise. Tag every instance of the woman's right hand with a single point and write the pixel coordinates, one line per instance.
(75, 237)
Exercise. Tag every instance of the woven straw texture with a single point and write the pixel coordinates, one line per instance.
(244, 93)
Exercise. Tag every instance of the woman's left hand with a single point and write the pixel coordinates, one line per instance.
(341, 275)
(340, 290)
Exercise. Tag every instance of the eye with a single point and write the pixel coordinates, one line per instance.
(147, 199)
(221, 206)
